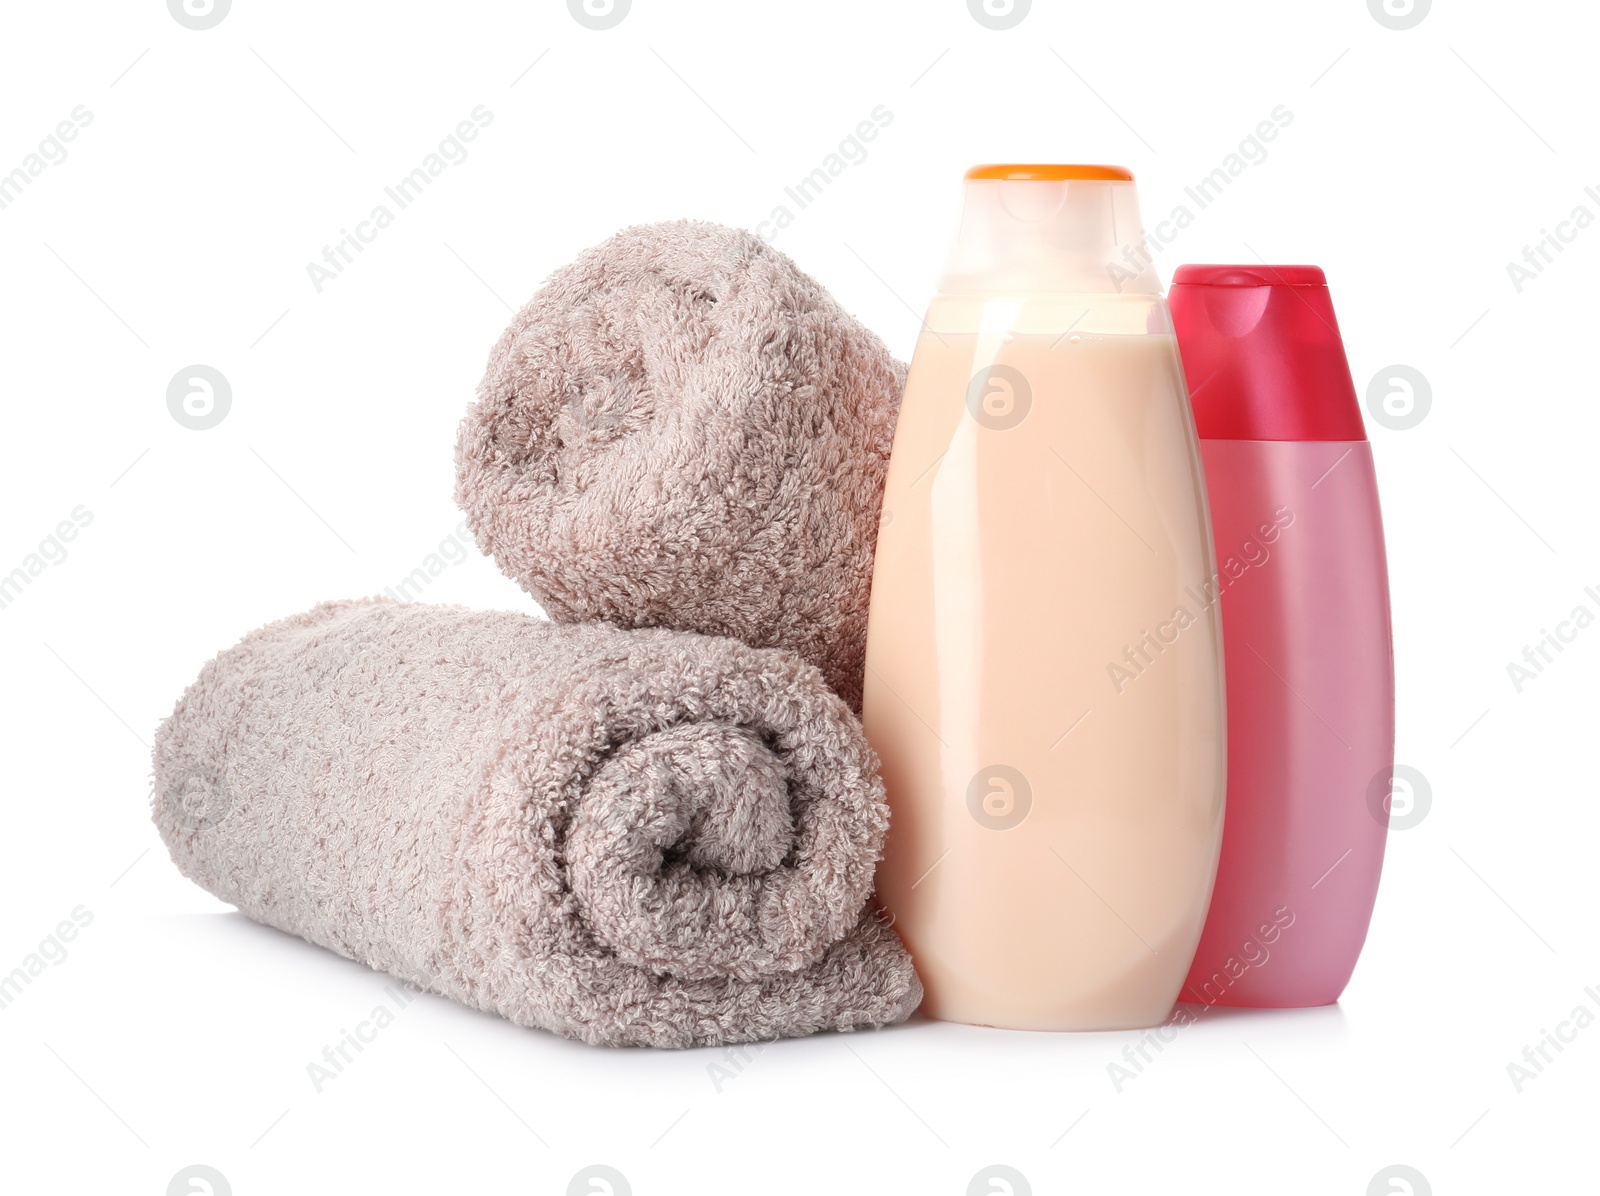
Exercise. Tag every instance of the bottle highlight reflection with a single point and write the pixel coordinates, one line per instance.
(1043, 661)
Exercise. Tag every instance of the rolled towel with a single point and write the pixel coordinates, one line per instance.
(683, 430)
(628, 837)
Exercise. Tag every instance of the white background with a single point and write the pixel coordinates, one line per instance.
(177, 230)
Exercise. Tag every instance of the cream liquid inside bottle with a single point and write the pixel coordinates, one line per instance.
(1044, 676)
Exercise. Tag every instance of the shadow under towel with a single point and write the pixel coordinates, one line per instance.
(642, 837)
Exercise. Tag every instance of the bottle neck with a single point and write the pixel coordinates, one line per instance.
(1036, 236)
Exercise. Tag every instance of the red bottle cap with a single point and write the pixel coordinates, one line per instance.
(1262, 354)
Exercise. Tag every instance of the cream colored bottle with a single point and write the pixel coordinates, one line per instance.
(1044, 667)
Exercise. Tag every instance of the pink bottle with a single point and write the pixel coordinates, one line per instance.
(1304, 594)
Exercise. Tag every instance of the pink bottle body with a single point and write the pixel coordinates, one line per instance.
(1310, 685)
(1303, 590)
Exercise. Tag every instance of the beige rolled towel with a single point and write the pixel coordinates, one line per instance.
(626, 837)
(683, 430)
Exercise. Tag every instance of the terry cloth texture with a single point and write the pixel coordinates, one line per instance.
(683, 430)
(628, 837)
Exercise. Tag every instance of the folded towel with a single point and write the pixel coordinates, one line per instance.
(628, 837)
(683, 430)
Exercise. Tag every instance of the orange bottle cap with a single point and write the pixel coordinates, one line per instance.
(1051, 172)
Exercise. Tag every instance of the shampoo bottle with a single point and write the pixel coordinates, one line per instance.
(1043, 683)
(1303, 588)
